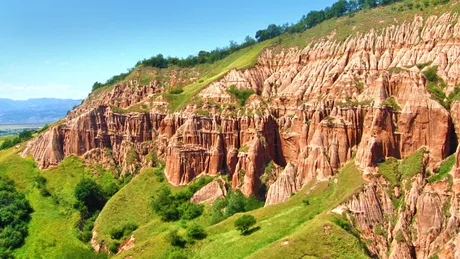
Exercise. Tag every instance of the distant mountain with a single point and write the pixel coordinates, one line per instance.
(42, 110)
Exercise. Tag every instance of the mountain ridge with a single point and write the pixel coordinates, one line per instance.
(35, 111)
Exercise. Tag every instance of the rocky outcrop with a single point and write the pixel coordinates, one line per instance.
(286, 184)
(314, 108)
(212, 191)
(418, 219)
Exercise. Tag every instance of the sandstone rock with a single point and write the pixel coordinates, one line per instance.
(285, 185)
(209, 193)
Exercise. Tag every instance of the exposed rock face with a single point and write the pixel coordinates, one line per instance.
(212, 191)
(281, 190)
(424, 222)
(315, 109)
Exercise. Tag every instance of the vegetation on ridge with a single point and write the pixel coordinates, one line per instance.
(338, 9)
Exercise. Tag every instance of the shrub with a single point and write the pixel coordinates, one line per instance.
(444, 169)
(244, 223)
(176, 90)
(165, 206)
(121, 232)
(391, 102)
(196, 232)
(235, 202)
(190, 210)
(114, 247)
(172, 207)
(343, 223)
(399, 236)
(87, 228)
(216, 210)
(175, 238)
(431, 74)
(116, 233)
(240, 94)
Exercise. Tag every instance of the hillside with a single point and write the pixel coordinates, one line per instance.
(341, 141)
(34, 111)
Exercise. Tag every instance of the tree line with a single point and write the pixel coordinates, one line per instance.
(313, 18)
(22, 137)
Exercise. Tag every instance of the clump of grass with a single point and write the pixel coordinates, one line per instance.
(444, 169)
(391, 102)
(243, 149)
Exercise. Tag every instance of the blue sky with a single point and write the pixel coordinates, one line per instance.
(60, 48)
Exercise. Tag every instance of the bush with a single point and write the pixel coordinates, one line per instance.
(176, 90)
(172, 207)
(175, 238)
(235, 202)
(196, 232)
(23, 136)
(216, 210)
(343, 223)
(240, 94)
(87, 227)
(114, 247)
(190, 210)
(122, 232)
(165, 205)
(244, 223)
(116, 233)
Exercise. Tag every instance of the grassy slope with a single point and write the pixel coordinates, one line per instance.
(291, 220)
(130, 205)
(51, 230)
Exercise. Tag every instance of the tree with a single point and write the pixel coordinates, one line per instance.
(90, 194)
(14, 216)
(244, 223)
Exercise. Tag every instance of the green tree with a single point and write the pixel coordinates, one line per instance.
(244, 223)
(14, 216)
(90, 194)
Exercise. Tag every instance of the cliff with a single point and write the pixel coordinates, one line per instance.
(313, 110)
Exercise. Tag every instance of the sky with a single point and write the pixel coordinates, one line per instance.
(58, 49)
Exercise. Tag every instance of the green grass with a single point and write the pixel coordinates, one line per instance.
(52, 232)
(122, 209)
(390, 170)
(412, 165)
(444, 169)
